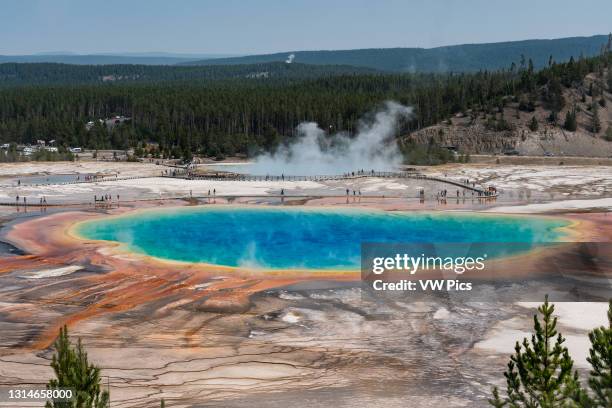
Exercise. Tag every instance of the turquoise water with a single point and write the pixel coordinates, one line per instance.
(303, 238)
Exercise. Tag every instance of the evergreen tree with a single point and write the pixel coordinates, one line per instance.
(595, 121)
(497, 401)
(533, 124)
(271, 138)
(540, 373)
(570, 120)
(553, 95)
(552, 118)
(600, 358)
(74, 371)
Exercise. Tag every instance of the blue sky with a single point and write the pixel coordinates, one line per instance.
(261, 26)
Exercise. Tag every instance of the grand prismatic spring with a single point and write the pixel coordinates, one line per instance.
(276, 238)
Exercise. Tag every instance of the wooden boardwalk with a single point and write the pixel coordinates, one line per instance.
(480, 192)
(351, 176)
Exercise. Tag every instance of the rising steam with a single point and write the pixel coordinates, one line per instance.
(290, 58)
(317, 153)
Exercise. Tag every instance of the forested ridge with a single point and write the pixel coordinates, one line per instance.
(245, 115)
(452, 58)
(15, 74)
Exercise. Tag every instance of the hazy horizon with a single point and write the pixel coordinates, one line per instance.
(233, 27)
(145, 53)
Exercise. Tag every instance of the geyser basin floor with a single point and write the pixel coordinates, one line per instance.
(164, 330)
(300, 238)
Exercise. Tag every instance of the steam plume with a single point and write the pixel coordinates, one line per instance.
(316, 153)
(290, 58)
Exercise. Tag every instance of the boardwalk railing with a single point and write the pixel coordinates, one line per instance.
(257, 177)
(349, 176)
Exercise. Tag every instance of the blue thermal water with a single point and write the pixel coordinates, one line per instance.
(303, 238)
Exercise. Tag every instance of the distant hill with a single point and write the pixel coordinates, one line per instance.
(51, 73)
(454, 58)
(107, 59)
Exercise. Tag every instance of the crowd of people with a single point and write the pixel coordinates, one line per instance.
(23, 201)
(105, 200)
